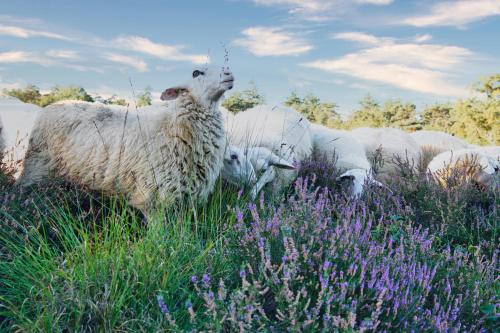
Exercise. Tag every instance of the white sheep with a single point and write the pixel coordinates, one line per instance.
(237, 168)
(280, 129)
(389, 143)
(348, 154)
(165, 153)
(470, 164)
(439, 141)
(18, 119)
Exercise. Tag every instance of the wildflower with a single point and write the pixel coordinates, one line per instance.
(161, 304)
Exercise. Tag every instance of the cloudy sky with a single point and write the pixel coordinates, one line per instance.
(421, 50)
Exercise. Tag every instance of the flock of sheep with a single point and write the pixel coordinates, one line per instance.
(176, 150)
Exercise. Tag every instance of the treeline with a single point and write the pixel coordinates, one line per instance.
(31, 94)
(476, 120)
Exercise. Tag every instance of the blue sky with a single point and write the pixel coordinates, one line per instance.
(421, 51)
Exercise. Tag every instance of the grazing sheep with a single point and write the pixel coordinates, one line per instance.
(468, 164)
(266, 163)
(164, 153)
(439, 141)
(388, 143)
(348, 154)
(282, 130)
(237, 168)
(432, 143)
(241, 167)
(18, 119)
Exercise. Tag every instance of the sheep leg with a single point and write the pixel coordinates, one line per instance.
(265, 178)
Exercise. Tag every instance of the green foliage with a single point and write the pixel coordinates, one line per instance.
(241, 101)
(314, 110)
(394, 113)
(490, 86)
(31, 94)
(476, 120)
(437, 117)
(144, 98)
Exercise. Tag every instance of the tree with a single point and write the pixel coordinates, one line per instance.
(144, 99)
(241, 101)
(30, 94)
(65, 93)
(115, 100)
(314, 110)
(369, 114)
(401, 115)
(490, 86)
(437, 117)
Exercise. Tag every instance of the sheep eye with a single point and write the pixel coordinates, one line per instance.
(197, 73)
(234, 156)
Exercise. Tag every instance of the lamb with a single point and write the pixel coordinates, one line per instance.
(280, 129)
(237, 168)
(164, 155)
(390, 143)
(340, 147)
(18, 119)
(469, 164)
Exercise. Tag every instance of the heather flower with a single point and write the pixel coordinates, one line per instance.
(206, 280)
(161, 304)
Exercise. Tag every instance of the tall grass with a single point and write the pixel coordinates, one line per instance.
(422, 258)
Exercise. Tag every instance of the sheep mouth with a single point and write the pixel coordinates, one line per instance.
(229, 82)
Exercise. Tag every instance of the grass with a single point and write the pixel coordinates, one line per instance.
(312, 260)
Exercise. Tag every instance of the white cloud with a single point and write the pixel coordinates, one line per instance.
(12, 57)
(422, 38)
(136, 63)
(375, 2)
(361, 37)
(456, 13)
(19, 32)
(162, 51)
(318, 10)
(63, 54)
(271, 41)
(424, 68)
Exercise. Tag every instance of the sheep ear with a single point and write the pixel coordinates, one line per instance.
(172, 93)
(281, 163)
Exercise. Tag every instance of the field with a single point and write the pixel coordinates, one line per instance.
(419, 257)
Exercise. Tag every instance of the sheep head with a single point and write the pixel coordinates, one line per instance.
(237, 168)
(207, 85)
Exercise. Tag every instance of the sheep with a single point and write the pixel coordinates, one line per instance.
(161, 155)
(470, 164)
(439, 141)
(348, 154)
(237, 168)
(389, 143)
(432, 143)
(18, 119)
(266, 163)
(280, 129)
